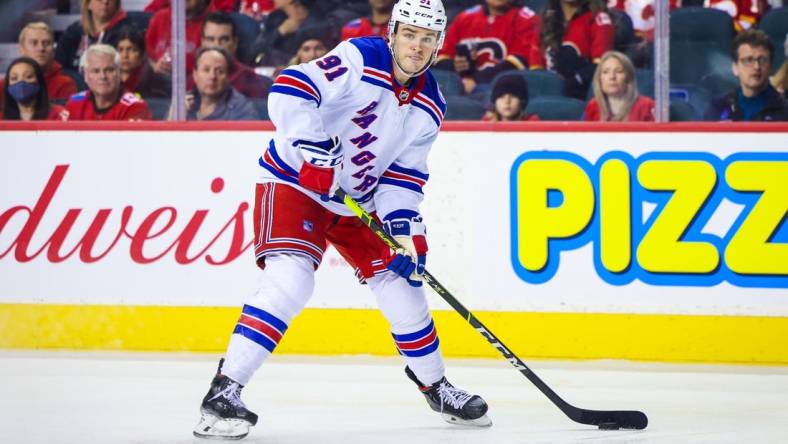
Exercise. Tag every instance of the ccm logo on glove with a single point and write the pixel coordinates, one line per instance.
(408, 230)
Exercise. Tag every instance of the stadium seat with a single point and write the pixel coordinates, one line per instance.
(556, 108)
(698, 98)
(697, 50)
(540, 82)
(681, 111)
(717, 85)
(463, 108)
(775, 25)
(247, 29)
(690, 61)
(716, 28)
(261, 105)
(645, 81)
(159, 107)
(450, 82)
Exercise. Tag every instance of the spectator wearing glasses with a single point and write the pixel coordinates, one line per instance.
(213, 97)
(25, 95)
(755, 99)
(105, 98)
(616, 97)
(219, 31)
(100, 23)
(36, 41)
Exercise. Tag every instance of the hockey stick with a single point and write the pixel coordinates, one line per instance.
(604, 419)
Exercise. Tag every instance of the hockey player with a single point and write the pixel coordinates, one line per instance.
(363, 118)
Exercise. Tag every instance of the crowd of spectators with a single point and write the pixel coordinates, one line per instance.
(586, 56)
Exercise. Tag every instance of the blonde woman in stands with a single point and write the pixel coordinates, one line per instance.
(616, 96)
(101, 22)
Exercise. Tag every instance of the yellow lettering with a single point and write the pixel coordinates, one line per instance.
(662, 250)
(749, 251)
(615, 226)
(538, 223)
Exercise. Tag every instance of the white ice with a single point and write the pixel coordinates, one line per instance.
(86, 398)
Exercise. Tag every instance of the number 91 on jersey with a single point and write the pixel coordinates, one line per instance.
(664, 218)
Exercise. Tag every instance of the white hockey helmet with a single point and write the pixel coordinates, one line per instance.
(428, 14)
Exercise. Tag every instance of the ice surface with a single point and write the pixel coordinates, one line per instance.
(86, 398)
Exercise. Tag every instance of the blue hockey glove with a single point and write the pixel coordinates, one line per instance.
(407, 228)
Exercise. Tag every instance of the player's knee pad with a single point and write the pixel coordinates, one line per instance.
(404, 306)
(285, 285)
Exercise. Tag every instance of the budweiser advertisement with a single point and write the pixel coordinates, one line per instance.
(134, 218)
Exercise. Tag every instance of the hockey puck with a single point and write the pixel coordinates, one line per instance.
(609, 426)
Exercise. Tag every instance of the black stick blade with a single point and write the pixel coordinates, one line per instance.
(614, 419)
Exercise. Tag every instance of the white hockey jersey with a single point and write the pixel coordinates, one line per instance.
(386, 130)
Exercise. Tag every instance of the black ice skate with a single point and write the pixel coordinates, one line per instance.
(224, 415)
(456, 406)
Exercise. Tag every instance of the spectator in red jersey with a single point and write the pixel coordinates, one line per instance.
(282, 29)
(101, 20)
(213, 97)
(616, 97)
(487, 39)
(642, 14)
(218, 30)
(135, 72)
(105, 98)
(745, 13)
(36, 40)
(574, 35)
(25, 94)
(509, 100)
(376, 24)
(215, 5)
(159, 36)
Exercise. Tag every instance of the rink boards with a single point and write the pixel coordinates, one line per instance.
(650, 242)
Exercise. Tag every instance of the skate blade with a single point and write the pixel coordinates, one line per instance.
(214, 427)
(482, 421)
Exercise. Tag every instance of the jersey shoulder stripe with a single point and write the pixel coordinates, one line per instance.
(295, 83)
(377, 77)
(374, 51)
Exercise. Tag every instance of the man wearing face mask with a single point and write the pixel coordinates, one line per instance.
(105, 98)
